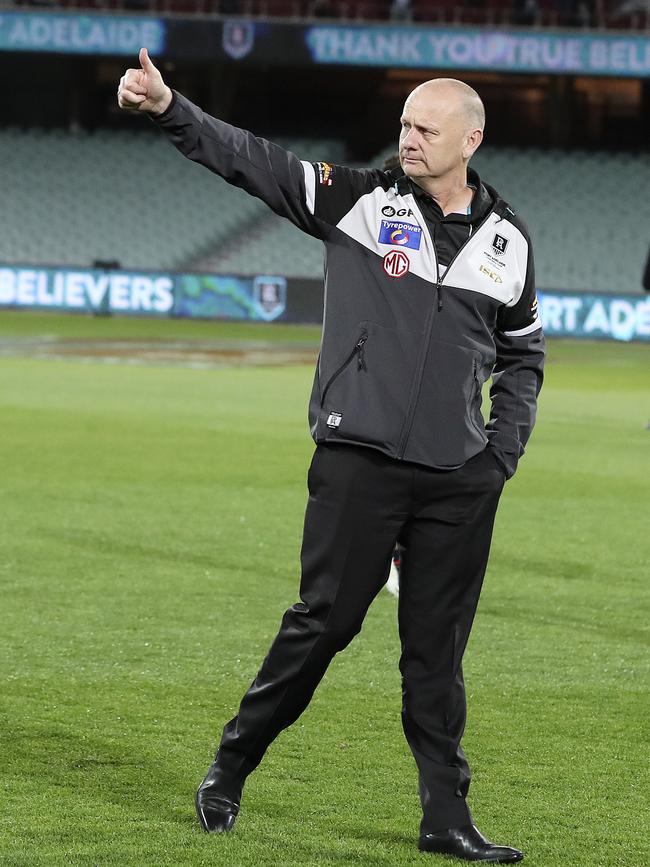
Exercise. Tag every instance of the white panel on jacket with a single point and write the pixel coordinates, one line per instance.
(497, 271)
(493, 262)
(374, 216)
(310, 185)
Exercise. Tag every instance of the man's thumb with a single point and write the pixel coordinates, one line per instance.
(145, 61)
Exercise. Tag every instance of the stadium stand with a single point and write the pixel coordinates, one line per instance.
(79, 198)
(74, 199)
(111, 196)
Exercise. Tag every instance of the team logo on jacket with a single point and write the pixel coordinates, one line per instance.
(499, 244)
(396, 263)
(400, 234)
(325, 171)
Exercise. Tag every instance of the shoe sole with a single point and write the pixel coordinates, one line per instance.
(199, 813)
(515, 860)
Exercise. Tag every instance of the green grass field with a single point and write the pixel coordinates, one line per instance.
(151, 520)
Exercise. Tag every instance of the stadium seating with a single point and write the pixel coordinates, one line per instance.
(78, 198)
(73, 199)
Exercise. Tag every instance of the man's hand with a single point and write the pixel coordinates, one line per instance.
(143, 89)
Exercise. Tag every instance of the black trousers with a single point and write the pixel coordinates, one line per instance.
(360, 504)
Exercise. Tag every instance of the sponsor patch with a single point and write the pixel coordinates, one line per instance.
(491, 274)
(325, 172)
(334, 419)
(499, 244)
(396, 263)
(400, 234)
(390, 211)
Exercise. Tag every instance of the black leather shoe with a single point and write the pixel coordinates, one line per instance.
(469, 844)
(217, 804)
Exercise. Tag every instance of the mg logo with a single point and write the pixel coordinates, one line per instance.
(396, 263)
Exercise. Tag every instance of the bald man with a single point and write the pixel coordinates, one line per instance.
(429, 291)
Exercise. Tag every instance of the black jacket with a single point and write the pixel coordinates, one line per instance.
(405, 348)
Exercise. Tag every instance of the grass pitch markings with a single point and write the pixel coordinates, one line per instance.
(193, 354)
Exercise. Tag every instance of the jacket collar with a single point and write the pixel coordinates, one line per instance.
(484, 198)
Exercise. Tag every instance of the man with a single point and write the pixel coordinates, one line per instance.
(429, 291)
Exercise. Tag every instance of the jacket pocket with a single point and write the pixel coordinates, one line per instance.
(447, 426)
(474, 406)
(358, 353)
(364, 398)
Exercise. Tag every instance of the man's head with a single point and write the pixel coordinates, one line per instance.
(442, 125)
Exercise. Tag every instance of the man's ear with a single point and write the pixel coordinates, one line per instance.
(472, 141)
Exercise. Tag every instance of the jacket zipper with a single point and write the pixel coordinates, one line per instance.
(477, 395)
(408, 424)
(361, 363)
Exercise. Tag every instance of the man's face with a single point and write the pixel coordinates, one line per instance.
(433, 139)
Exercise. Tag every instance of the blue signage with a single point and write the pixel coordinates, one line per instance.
(583, 314)
(269, 298)
(212, 296)
(203, 296)
(468, 48)
(63, 33)
(87, 290)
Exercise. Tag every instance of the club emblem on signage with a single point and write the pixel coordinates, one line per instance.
(396, 263)
(237, 38)
(270, 295)
(499, 244)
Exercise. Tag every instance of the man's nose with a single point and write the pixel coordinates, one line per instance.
(410, 139)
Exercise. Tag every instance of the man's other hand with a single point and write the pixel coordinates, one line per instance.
(143, 89)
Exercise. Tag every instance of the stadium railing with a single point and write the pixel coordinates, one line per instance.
(598, 14)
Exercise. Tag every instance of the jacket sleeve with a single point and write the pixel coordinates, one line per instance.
(303, 192)
(517, 375)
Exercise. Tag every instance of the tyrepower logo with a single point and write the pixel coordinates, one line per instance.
(403, 234)
(396, 263)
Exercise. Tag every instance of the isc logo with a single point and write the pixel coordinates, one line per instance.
(396, 263)
(491, 274)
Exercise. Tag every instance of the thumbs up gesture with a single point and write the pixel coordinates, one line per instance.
(143, 89)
